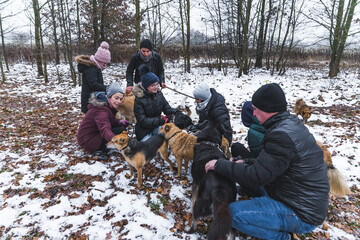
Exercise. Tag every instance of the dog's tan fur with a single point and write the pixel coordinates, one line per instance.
(302, 109)
(181, 145)
(337, 182)
(126, 109)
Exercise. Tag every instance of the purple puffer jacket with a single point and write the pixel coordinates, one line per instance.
(96, 125)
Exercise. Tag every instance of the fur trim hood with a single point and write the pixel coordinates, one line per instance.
(85, 60)
(95, 102)
(139, 91)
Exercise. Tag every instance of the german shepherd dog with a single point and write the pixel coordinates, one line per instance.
(337, 182)
(301, 108)
(211, 192)
(137, 153)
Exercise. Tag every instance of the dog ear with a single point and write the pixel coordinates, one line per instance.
(167, 128)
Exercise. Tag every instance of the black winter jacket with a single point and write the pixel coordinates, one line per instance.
(156, 66)
(216, 111)
(92, 79)
(147, 109)
(290, 166)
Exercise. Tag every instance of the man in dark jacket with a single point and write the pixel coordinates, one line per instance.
(145, 55)
(290, 168)
(210, 105)
(148, 106)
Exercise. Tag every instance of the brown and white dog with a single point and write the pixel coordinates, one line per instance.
(136, 153)
(337, 182)
(302, 109)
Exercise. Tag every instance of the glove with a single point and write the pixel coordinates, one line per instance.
(123, 123)
(128, 89)
(165, 118)
(162, 121)
(192, 128)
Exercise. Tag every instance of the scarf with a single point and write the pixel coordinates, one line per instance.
(146, 59)
(201, 106)
(101, 67)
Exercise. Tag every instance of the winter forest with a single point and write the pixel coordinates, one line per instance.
(52, 189)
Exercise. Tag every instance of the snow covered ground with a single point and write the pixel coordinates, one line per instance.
(51, 189)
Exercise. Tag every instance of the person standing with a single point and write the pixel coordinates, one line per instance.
(145, 55)
(290, 168)
(91, 68)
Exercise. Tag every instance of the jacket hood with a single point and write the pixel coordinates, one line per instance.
(95, 102)
(85, 60)
(139, 92)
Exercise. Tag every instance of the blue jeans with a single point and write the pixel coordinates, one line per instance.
(154, 132)
(266, 218)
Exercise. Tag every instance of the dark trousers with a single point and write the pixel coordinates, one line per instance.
(116, 131)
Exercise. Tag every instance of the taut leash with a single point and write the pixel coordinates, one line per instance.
(172, 89)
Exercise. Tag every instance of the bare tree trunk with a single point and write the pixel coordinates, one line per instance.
(137, 23)
(219, 46)
(43, 54)
(183, 34)
(37, 25)
(244, 66)
(95, 23)
(103, 20)
(56, 41)
(3, 44)
(188, 35)
(79, 36)
(337, 43)
(260, 40)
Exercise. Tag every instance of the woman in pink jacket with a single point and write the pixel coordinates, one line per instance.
(99, 125)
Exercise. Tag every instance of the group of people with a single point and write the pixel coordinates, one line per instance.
(282, 170)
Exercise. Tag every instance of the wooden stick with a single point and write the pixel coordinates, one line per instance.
(172, 89)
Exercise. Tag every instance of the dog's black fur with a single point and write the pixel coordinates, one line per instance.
(215, 192)
(148, 148)
(181, 120)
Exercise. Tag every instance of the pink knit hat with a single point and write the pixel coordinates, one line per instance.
(103, 53)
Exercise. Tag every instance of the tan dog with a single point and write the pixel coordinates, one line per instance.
(181, 145)
(136, 153)
(337, 182)
(301, 108)
(126, 109)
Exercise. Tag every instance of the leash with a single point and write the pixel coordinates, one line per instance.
(174, 135)
(172, 89)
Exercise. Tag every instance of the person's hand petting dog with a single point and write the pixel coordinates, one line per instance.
(211, 164)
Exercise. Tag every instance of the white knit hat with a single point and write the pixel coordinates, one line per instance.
(202, 92)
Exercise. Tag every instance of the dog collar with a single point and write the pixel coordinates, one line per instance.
(174, 135)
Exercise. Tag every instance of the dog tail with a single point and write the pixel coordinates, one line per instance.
(337, 182)
(222, 221)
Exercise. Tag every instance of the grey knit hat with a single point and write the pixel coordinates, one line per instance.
(113, 88)
(202, 91)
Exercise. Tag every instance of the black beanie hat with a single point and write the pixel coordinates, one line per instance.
(146, 43)
(270, 98)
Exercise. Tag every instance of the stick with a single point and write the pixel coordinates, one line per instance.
(172, 89)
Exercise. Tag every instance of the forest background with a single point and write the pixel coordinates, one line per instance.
(273, 34)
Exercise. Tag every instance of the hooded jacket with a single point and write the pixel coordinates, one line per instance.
(96, 125)
(92, 79)
(217, 111)
(155, 63)
(290, 166)
(147, 109)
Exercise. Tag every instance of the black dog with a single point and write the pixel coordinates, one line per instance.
(212, 192)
